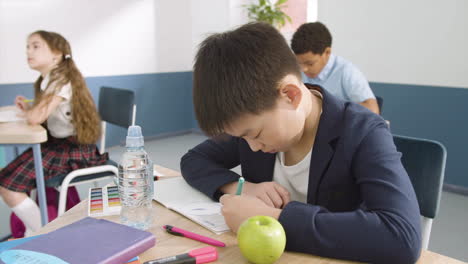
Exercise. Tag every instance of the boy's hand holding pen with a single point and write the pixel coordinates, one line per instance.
(237, 208)
(271, 193)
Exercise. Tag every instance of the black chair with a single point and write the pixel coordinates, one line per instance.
(115, 106)
(379, 103)
(424, 160)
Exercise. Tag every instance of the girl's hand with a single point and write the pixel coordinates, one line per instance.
(19, 102)
(39, 113)
(237, 208)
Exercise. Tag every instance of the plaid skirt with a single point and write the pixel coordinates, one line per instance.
(60, 156)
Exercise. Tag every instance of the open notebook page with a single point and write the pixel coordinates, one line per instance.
(10, 115)
(177, 195)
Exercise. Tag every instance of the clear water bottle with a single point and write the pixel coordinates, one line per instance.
(136, 182)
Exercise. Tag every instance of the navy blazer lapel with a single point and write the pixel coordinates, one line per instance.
(327, 132)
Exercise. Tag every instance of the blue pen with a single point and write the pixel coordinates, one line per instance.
(240, 184)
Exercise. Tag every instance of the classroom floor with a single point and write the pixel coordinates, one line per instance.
(448, 232)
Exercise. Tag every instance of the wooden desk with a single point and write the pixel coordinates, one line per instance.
(169, 245)
(21, 134)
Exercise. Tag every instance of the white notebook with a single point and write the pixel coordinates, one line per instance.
(10, 115)
(177, 195)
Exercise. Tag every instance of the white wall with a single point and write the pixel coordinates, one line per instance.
(414, 42)
(173, 39)
(208, 16)
(108, 37)
(182, 24)
(115, 37)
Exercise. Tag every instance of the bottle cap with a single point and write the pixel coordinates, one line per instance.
(134, 137)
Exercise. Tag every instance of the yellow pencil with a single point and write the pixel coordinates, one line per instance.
(28, 100)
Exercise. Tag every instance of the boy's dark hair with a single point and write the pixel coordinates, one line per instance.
(313, 37)
(238, 72)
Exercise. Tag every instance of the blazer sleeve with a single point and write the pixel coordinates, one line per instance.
(386, 227)
(208, 166)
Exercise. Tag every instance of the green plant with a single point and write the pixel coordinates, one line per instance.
(267, 12)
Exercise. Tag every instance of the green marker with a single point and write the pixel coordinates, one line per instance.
(28, 100)
(240, 184)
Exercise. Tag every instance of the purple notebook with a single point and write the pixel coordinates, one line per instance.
(88, 240)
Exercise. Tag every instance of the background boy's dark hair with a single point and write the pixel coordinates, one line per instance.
(238, 72)
(313, 37)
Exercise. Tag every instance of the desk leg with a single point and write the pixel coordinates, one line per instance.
(15, 151)
(40, 182)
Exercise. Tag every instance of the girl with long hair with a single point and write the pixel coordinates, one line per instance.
(62, 104)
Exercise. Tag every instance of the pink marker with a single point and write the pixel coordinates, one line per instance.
(196, 256)
(181, 232)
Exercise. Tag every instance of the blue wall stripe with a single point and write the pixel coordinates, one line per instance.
(432, 112)
(2, 158)
(164, 101)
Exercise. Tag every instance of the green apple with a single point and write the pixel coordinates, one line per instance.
(261, 239)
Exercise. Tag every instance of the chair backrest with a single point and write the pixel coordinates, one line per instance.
(116, 106)
(424, 160)
(379, 103)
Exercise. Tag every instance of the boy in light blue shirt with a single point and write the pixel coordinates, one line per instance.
(312, 45)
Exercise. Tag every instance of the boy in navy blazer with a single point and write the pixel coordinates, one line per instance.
(327, 169)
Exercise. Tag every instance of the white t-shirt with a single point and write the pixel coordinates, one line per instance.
(59, 121)
(294, 178)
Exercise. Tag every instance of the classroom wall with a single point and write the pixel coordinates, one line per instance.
(104, 35)
(414, 55)
(112, 37)
(421, 42)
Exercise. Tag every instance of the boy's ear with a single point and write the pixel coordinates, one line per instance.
(292, 93)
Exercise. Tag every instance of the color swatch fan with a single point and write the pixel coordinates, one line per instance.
(104, 201)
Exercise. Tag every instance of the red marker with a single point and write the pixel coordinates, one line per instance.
(196, 256)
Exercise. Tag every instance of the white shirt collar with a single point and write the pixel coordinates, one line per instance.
(44, 82)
